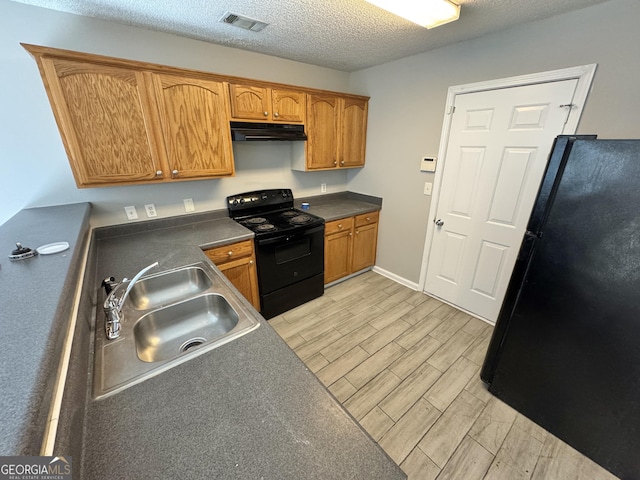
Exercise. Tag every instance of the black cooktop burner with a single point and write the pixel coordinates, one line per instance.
(300, 219)
(270, 213)
(255, 221)
(264, 227)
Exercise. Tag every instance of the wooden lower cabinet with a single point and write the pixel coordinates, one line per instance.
(238, 263)
(350, 245)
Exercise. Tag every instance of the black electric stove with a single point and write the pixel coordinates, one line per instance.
(289, 248)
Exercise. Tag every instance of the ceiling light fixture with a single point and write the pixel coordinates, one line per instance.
(426, 13)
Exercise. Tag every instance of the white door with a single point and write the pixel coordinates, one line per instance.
(496, 155)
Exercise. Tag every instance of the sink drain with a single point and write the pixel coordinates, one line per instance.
(189, 344)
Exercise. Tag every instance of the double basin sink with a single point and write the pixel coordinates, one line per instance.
(168, 318)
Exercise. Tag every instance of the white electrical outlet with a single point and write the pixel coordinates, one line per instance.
(323, 188)
(131, 212)
(188, 205)
(427, 188)
(151, 210)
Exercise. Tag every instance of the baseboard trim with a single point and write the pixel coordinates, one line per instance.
(396, 278)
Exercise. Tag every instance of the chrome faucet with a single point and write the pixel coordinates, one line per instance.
(113, 305)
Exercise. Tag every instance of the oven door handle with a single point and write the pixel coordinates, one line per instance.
(290, 237)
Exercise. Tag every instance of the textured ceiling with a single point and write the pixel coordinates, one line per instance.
(341, 34)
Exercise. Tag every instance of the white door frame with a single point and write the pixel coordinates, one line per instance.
(584, 74)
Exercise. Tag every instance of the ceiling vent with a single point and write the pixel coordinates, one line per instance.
(243, 22)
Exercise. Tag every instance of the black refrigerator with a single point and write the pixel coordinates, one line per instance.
(565, 351)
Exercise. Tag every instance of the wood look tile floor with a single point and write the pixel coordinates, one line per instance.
(406, 366)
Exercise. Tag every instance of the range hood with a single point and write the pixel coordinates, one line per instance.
(255, 132)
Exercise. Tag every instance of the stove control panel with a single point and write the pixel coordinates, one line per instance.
(264, 198)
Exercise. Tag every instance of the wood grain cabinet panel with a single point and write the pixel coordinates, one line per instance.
(323, 134)
(104, 117)
(336, 130)
(195, 126)
(365, 243)
(350, 245)
(238, 263)
(288, 105)
(251, 102)
(338, 236)
(354, 132)
(126, 122)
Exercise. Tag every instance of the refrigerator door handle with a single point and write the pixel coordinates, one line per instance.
(533, 234)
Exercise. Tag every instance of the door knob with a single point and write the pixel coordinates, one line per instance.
(439, 222)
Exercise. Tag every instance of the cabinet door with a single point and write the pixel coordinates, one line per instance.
(242, 273)
(103, 114)
(365, 241)
(288, 106)
(322, 131)
(353, 132)
(249, 102)
(195, 126)
(337, 255)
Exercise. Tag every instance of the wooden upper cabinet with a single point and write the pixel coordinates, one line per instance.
(323, 135)
(354, 132)
(104, 117)
(129, 122)
(336, 130)
(250, 102)
(195, 126)
(288, 105)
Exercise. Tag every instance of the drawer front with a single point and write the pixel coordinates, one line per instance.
(338, 225)
(230, 252)
(367, 218)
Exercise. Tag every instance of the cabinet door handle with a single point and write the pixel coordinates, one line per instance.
(174, 173)
(230, 253)
(357, 232)
(276, 115)
(342, 162)
(368, 219)
(335, 163)
(250, 262)
(266, 114)
(339, 225)
(159, 173)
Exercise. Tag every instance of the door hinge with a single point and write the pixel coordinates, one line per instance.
(452, 110)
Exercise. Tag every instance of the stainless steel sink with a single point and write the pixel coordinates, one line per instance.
(170, 331)
(165, 288)
(169, 318)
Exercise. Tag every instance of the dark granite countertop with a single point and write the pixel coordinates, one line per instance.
(340, 205)
(36, 301)
(248, 409)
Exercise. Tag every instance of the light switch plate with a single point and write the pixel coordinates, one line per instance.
(188, 205)
(131, 212)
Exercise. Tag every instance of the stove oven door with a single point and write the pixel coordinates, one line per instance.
(290, 270)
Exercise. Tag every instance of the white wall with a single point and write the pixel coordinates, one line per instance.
(408, 96)
(34, 166)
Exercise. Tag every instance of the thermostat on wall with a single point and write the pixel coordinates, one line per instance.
(428, 164)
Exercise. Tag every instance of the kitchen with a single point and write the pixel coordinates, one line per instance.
(599, 34)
